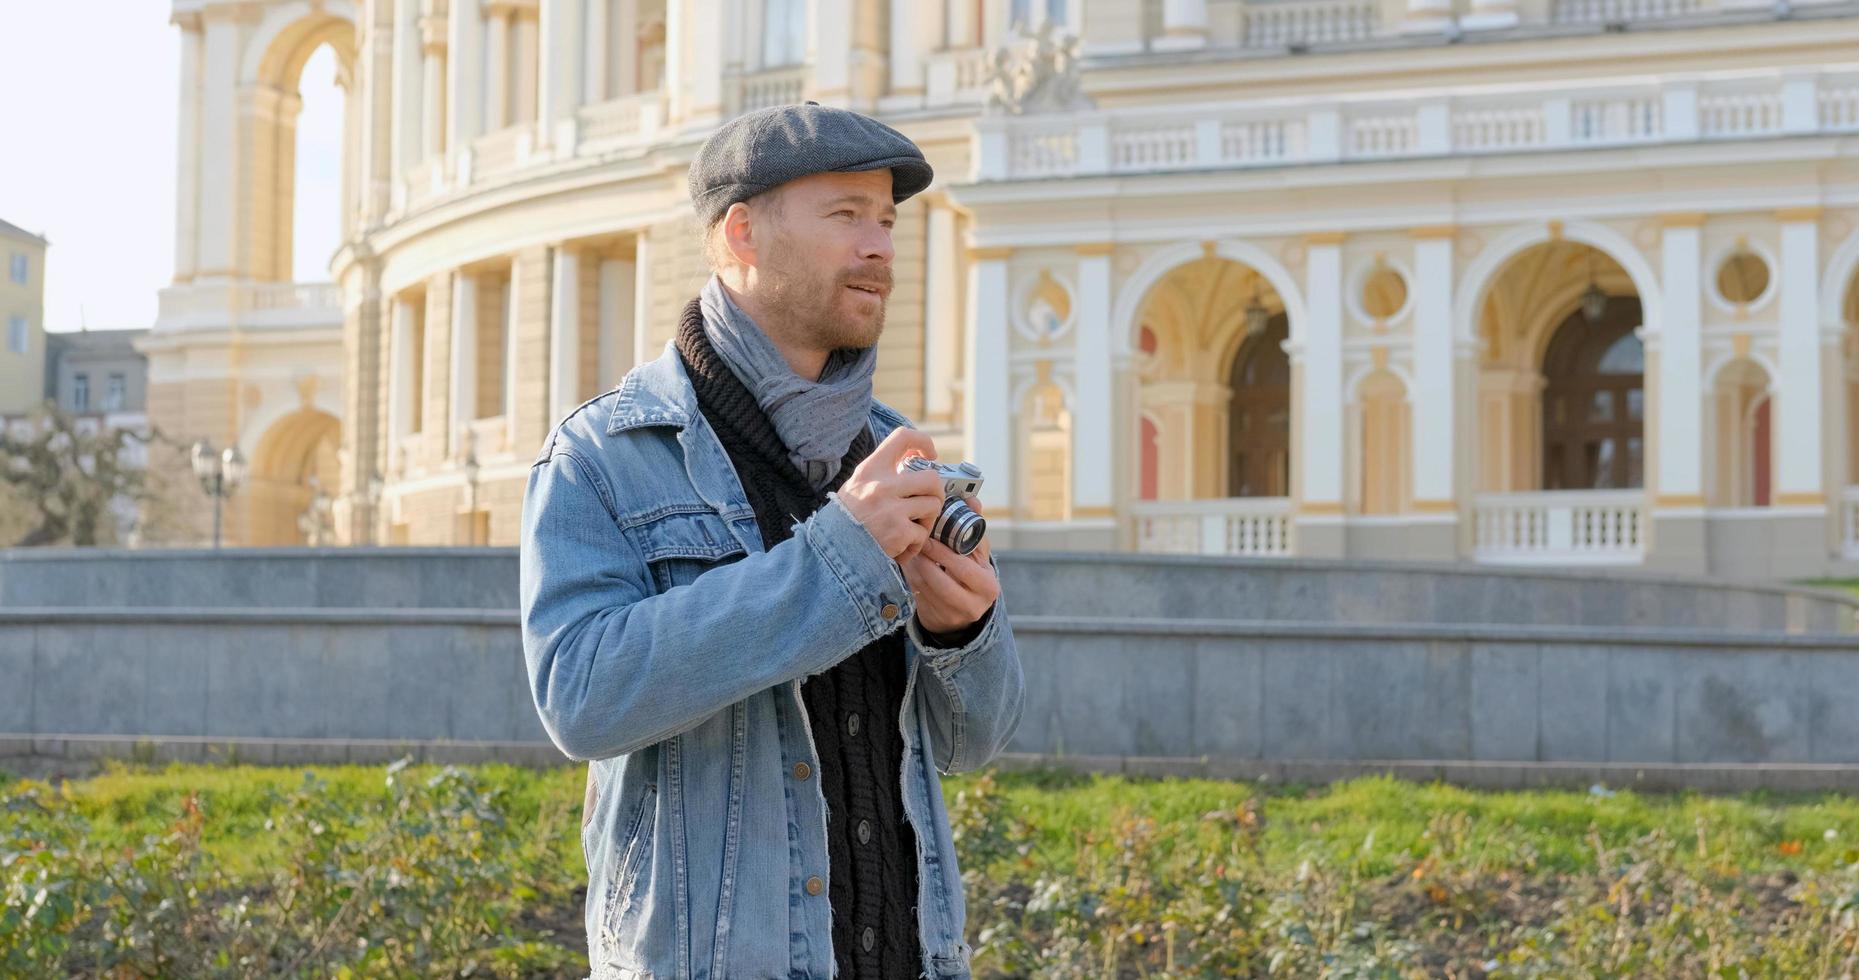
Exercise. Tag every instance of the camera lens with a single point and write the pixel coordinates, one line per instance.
(958, 527)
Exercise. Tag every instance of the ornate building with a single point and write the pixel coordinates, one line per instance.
(1551, 281)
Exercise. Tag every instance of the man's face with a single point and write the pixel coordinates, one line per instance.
(825, 267)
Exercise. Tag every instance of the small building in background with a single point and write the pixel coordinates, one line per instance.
(22, 320)
(98, 373)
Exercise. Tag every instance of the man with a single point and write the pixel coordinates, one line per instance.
(733, 609)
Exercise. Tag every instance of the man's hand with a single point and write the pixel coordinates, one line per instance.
(953, 591)
(897, 508)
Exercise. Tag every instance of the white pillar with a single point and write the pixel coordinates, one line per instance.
(565, 334)
(962, 31)
(618, 320)
(400, 374)
(498, 78)
(561, 49)
(597, 52)
(219, 147)
(1320, 344)
(829, 51)
(1798, 409)
(1680, 347)
(915, 26)
(1093, 429)
(694, 60)
(1184, 25)
(511, 312)
(1434, 410)
(432, 86)
(464, 386)
(987, 410)
(642, 301)
(464, 68)
(187, 164)
(407, 71)
(942, 316)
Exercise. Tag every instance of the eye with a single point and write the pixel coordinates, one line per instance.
(842, 214)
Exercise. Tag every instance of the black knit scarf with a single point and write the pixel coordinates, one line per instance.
(852, 708)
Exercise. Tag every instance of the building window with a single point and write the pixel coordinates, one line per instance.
(80, 393)
(784, 33)
(114, 393)
(20, 264)
(18, 336)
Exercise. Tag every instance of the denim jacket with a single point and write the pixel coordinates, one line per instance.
(667, 647)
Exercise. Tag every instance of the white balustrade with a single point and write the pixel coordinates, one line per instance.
(1739, 114)
(496, 154)
(1226, 526)
(1161, 147)
(1281, 24)
(621, 120)
(1044, 152)
(1849, 522)
(1383, 135)
(1261, 141)
(256, 305)
(779, 86)
(1619, 11)
(1839, 106)
(1561, 527)
(1498, 129)
(1616, 119)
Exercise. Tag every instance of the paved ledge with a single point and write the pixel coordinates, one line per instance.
(277, 751)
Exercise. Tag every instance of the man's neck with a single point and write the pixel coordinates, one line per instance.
(802, 359)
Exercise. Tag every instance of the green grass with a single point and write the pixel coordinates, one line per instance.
(1545, 830)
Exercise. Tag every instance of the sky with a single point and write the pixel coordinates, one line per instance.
(87, 154)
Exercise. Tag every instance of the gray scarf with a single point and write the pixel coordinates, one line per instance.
(817, 420)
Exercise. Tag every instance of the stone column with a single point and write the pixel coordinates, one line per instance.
(219, 148)
(561, 51)
(642, 300)
(1799, 480)
(1184, 25)
(376, 74)
(618, 278)
(915, 29)
(962, 31)
(565, 333)
(512, 316)
(432, 85)
(400, 393)
(829, 51)
(407, 73)
(1675, 403)
(187, 164)
(464, 374)
(1318, 366)
(464, 68)
(525, 66)
(597, 51)
(987, 410)
(498, 76)
(1093, 427)
(694, 61)
(1435, 408)
(942, 313)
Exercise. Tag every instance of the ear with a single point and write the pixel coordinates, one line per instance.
(739, 233)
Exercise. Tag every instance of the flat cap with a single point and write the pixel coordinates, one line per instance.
(761, 150)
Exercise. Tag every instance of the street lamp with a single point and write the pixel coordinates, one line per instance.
(220, 475)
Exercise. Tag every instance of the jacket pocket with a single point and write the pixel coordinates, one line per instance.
(682, 545)
(628, 855)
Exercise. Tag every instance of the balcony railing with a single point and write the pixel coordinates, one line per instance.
(619, 121)
(1304, 22)
(260, 305)
(776, 86)
(1567, 527)
(1551, 116)
(1620, 11)
(1226, 526)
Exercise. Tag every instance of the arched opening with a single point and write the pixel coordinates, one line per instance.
(293, 476)
(1742, 466)
(1214, 383)
(1382, 427)
(1561, 400)
(304, 149)
(1594, 402)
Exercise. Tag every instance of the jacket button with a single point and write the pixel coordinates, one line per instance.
(889, 612)
(869, 939)
(864, 831)
(802, 770)
(815, 885)
(852, 726)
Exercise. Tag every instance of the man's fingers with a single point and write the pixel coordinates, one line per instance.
(919, 483)
(966, 572)
(900, 443)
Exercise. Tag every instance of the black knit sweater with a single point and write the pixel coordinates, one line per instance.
(852, 708)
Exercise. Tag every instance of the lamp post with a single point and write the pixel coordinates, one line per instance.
(471, 486)
(220, 474)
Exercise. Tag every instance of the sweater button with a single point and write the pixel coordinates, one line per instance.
(852, 726)
(802, 770)
(864, 831)
(815, 885)
(868, 939)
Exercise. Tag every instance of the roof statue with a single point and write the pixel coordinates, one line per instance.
(1036, 73)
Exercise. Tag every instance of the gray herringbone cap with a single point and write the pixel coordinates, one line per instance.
(762, 150)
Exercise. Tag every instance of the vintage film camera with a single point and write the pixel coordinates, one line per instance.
(958, 526)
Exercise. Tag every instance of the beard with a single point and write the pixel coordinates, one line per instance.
(817, 307)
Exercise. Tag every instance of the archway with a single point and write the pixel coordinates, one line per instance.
(1742, 459)
(1214, 392)
(276, 74)
(1561, 402)
(294, 462)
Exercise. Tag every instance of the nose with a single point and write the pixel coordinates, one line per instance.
(875, 244)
